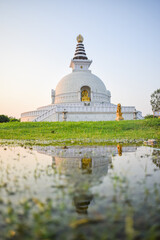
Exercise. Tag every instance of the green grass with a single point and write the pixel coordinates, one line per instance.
(82, 131)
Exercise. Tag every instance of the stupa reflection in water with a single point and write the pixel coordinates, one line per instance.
(83, 166)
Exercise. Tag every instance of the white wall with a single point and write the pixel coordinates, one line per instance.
(75, 117)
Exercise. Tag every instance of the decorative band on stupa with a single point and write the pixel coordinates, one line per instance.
(80, 50)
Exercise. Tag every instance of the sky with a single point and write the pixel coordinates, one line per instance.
(38, 41)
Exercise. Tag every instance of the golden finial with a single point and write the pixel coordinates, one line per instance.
(79, 38)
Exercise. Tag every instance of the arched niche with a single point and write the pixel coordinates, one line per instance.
(85, 94)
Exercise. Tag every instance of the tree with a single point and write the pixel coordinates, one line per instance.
(4, 118)
(155, 101)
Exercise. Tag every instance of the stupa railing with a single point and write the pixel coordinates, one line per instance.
(33, 113)
(95, 108)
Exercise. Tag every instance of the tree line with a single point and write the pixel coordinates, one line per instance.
(5, 118)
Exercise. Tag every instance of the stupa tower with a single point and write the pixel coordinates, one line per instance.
(80, 61)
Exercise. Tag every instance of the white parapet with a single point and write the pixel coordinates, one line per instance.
(79, 112)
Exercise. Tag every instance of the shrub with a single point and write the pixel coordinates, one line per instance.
(149, 116)
(13, 119)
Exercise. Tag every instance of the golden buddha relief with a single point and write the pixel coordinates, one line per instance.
(85, 97)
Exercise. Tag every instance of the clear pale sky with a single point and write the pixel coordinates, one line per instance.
(38, 40)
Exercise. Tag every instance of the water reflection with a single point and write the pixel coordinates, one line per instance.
(84, 157)
(82, 202)
(83, 168)
(79, 192)
(119, 148)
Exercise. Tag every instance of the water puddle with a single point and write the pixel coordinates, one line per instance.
(49, 192)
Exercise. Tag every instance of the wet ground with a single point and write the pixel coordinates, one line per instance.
(110, 192)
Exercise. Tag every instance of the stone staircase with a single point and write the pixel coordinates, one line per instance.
(139, 115)
(45, 115)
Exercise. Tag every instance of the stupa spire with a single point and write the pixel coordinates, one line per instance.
(80, 61)
(80, 50)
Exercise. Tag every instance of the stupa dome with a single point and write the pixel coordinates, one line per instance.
(69, 87)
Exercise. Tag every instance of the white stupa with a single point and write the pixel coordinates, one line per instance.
(80, 96)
